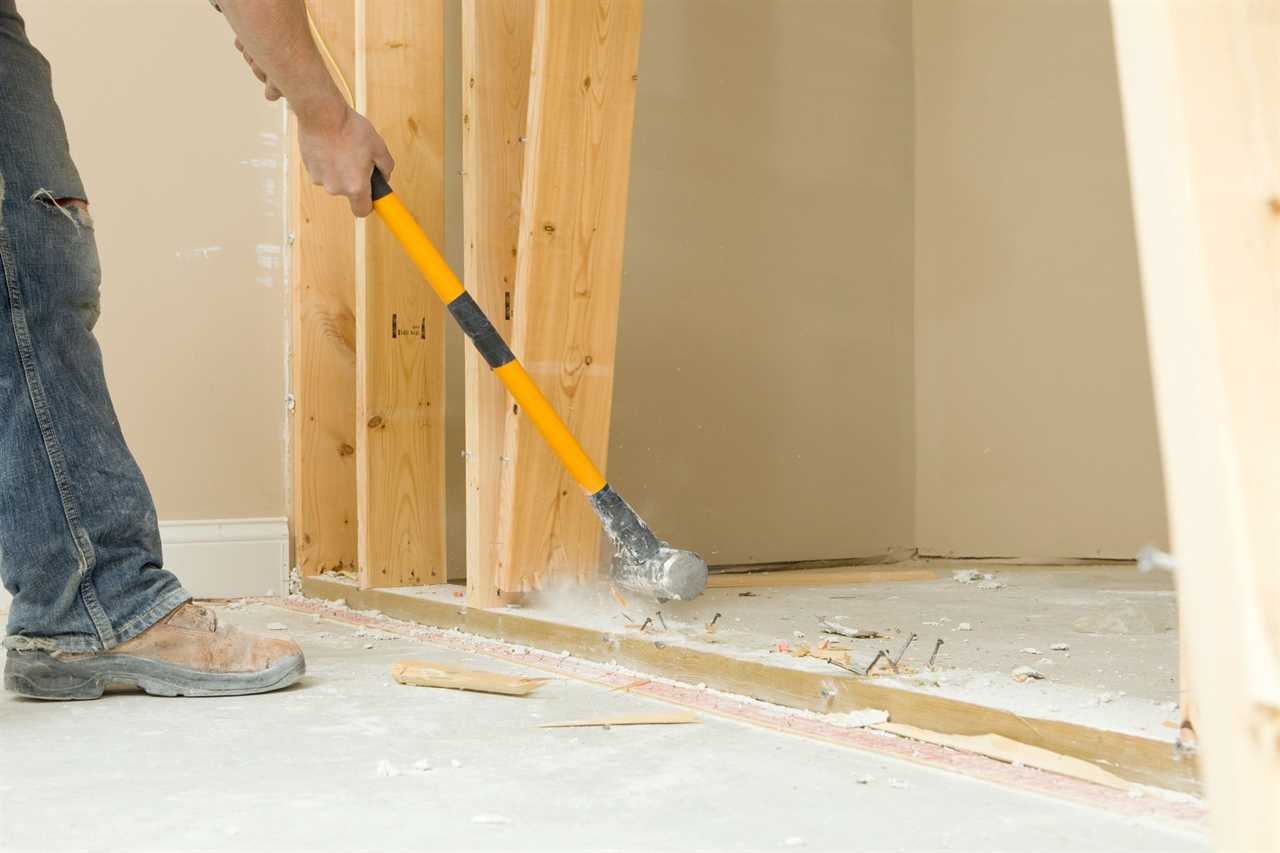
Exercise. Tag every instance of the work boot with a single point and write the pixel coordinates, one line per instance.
(184, 654)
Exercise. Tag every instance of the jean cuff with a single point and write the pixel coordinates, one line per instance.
(80, 643)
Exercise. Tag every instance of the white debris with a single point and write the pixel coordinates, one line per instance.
(990, 584)
(277, 626)
(420, 766)
(368, 645)
(793, 841)
(1030, 651)
(386, 769)
(1026, 673)
(1059, 647)
(864, 779)
(799, 635)
(831, 627)
(374, 634)
(1105, 698)
(900, 783)
(455, 763)
(964, 626)
(491, 819)
(965, 575)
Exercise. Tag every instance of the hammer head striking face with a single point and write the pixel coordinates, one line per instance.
(642, 562)
(671, 574)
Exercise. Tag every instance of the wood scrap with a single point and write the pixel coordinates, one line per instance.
(1011, 751)
(421, 673)
(661, 718)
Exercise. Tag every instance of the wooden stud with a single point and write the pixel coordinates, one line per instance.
(1199, 86)
(400, 328)
(568, 278)
(497, 39)
(323, 343)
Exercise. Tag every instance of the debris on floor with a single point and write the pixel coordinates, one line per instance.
(981, 580)
(661, 718)
(1122, 620)
(1023, 674)
(1012, 752)
(420, 673)
(831, 627)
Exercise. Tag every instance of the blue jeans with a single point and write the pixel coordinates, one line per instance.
(79, 542)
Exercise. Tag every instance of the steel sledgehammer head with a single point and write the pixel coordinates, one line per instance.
(672, 574)
(642, 562)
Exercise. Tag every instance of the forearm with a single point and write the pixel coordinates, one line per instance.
(276, 35)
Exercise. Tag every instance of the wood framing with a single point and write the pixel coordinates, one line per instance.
(568, 279)
(400, 324)
(1199, 84)
(323, 347)
(497, 40)
(1135, 758)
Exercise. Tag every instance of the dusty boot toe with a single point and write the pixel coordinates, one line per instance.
(185, 654)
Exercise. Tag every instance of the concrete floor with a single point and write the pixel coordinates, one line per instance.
(330, 765)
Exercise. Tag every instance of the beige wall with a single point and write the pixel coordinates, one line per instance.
(763, 407)
(868, 303)
(181, 159)
(1035, 421)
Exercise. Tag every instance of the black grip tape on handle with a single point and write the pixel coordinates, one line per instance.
(476, 325)
(378, 183)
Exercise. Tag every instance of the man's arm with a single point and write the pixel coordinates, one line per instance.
(338, 145)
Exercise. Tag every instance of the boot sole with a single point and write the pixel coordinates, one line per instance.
(39, 675)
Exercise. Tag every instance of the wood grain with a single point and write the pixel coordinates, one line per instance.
(1199, 83)
(1137, 759)
(1011, 751)
(400, 329)
(568, 278)
(659, 718)
(497, 42)
(323, 346)
(422, 673)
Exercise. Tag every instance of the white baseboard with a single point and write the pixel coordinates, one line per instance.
(228, 558)
(224, 558)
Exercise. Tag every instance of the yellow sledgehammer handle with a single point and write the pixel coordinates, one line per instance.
(485, 337)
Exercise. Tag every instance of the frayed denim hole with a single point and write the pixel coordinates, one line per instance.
(76, 210)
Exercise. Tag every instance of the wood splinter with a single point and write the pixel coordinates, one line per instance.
(421, 673)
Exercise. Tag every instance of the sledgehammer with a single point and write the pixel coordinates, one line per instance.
(642, 562)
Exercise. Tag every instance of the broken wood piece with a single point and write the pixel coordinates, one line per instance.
(661, 718)
(421, 673)
(829, 627)
(1011, 751)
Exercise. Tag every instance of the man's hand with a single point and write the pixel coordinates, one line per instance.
(339, 146)
(340, 153)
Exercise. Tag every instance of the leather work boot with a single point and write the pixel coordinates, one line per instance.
(184, 654)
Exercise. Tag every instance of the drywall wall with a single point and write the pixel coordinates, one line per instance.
(181, 158)
(1035, 421)
(763, 401)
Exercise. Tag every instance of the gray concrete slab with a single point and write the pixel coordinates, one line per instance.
(348, 760)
